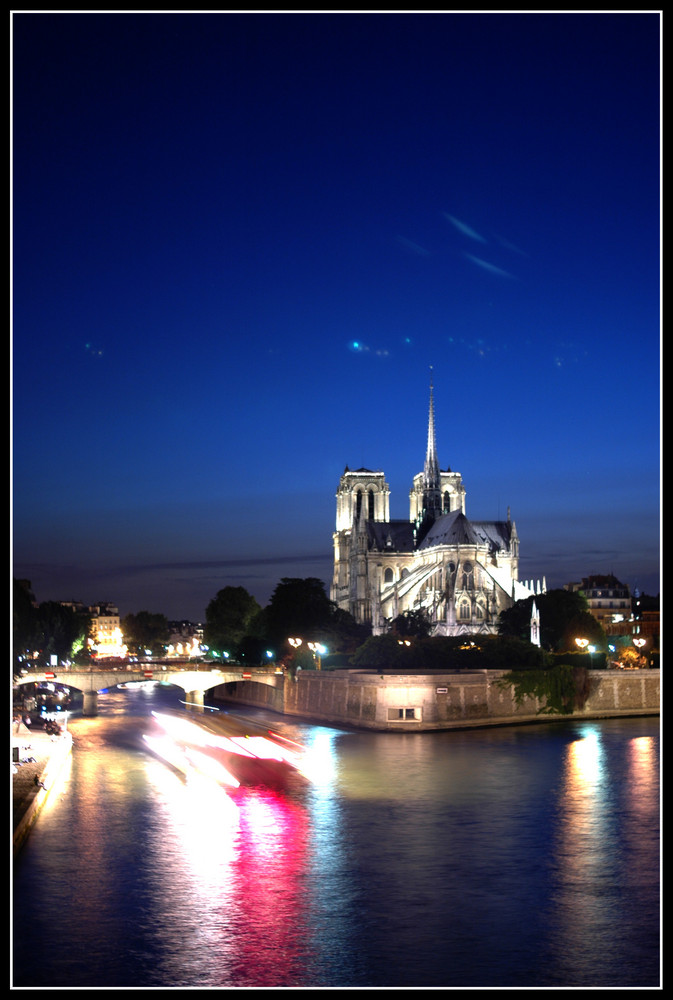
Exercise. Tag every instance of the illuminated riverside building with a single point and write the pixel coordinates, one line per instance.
(608, 599)
(460, 573)
(185, 640)
(106, 637)
(105, 633)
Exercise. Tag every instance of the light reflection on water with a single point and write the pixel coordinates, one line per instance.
(495, 857)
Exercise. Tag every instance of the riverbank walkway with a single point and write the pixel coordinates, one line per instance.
(37, 759)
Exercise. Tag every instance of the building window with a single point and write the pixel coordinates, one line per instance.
(467, 577)
(388, 576)
(371, 505)
(403, 714)
(465, 611)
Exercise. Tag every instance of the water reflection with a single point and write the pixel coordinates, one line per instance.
(607, 817)
(521, 857)
(236, 865)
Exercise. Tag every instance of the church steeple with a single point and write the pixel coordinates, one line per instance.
(432, 493)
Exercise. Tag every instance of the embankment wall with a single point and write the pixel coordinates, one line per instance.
(394, 702)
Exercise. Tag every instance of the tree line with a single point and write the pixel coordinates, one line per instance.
(50, 628)
(237, 626)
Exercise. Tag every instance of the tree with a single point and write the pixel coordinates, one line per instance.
(631, 658)
(382, 652)
(299, 607)
(343, 633)
(146, 630)
(583, 625)
(449, 653)
(560, 610)
(228, 619)
(59, 629)
(24, 619)
(412, 623)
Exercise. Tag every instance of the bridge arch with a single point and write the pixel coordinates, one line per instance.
(194, 682)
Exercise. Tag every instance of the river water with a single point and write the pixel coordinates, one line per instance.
(524, 856)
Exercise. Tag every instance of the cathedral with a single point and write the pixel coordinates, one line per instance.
(460, 573)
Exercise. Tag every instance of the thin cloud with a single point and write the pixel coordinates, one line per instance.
(414, 248)
(491, 268)
(225, 563)
(463, 228)
(510, 246)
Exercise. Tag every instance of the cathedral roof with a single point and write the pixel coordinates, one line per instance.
(395, 536)
(455, 529)
(498, 534)
(450, 529)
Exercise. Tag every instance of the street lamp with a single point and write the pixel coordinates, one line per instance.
(639, 643)
(318, 651)
(582, 643)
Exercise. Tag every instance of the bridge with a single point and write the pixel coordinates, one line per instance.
(194, 680)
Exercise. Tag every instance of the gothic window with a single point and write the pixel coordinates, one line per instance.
(388, 576)
(358, 503)
(405, 572)
(480, 611)
(464, 610)
(468, 577)
(370, 515)
(447, 502)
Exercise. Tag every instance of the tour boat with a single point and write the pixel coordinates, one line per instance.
(228, 749)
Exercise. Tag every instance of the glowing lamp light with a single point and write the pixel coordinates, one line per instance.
(318, 651)
(582, 643)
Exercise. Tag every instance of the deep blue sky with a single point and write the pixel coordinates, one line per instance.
(241, 241)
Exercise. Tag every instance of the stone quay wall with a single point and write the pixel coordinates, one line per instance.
(404, 702)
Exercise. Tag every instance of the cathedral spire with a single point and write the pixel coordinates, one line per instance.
(432, 494)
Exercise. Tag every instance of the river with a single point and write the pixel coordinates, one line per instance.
(513, 857)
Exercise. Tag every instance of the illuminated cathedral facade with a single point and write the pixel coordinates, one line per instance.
(460, 573)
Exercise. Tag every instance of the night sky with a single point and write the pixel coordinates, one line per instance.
(240, 242)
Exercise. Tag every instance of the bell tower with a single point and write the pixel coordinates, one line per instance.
(362, 495)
